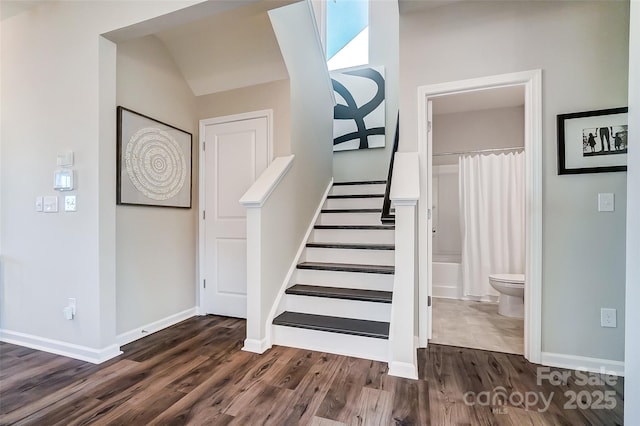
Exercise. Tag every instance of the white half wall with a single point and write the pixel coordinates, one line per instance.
(155, 246)
(632, 335)
(583, 69)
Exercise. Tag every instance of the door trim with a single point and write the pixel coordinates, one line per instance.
(532, 82)
(200, 267)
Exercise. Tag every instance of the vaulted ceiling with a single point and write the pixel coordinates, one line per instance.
(229, 50)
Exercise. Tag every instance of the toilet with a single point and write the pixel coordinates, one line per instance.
(511, 289)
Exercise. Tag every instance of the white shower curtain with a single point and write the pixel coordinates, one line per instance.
(492, 220)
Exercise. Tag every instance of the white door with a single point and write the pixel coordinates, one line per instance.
(235, 154)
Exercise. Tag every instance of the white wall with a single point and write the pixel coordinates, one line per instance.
(583, 69)
(373, 164)
(274, 95)
(155, 246)
(632, 335)
(59, 77)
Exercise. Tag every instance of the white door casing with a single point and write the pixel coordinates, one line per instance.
(235, 150)
(532, 83)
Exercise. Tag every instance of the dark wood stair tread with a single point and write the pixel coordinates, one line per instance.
(351, 211)
(340, 293)
(364, 182)
(363, 227)
(352, 246)
(355, 196)
(347, 267)
(356, 327)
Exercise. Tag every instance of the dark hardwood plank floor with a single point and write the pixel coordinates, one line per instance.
(195, 373)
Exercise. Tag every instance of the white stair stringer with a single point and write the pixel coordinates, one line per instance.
(335, 343)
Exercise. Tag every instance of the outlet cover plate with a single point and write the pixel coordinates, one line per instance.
(608, 318)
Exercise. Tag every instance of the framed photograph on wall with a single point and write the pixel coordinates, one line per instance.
(154, 162)
(593, 141)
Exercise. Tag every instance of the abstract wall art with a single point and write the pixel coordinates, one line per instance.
(154, 162)
(359, 115)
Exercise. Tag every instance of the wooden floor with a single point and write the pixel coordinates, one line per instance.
(195, 373)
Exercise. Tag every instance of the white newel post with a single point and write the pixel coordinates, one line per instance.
(405, 192)
(258, 337)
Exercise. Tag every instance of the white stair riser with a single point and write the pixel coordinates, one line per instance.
(377, 188)
(372, 311)
(367, 236)
(363, 257)
(350, 219)
(383, 282)
(335, 343)
(353, 203)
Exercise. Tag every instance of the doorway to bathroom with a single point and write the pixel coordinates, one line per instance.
(481, 149)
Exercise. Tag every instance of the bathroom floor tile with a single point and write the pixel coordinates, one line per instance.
(476, 325)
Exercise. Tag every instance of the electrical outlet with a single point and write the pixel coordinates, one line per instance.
(608, 317)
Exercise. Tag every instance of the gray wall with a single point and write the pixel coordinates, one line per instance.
(274, 96)
(373, 164)
(632, 341)
(584, 68)
(155, 247)
(472, 130)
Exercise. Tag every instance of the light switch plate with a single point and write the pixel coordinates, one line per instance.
(39, 204)
(69, 203)
(64, 159)
(51, 204)
(606, 202)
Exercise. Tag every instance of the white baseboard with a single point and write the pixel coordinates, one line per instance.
(445, 292)
(403, 369)
(256, 346)
(574, 362)
(145, 330)
(83, 353)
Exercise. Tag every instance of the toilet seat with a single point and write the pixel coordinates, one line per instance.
(511, 280)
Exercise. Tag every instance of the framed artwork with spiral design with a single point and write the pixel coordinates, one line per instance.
(154, 162)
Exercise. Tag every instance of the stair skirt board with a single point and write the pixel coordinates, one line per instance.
(335, 343)
(353, 203)
(380, 282)
(372, 311)
(371, 257)
(377, 188)
(382, 236)
(330, 218)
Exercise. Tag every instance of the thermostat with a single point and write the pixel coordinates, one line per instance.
(63, 180)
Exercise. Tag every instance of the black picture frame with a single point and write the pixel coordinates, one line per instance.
(154, 162)
(581, 141)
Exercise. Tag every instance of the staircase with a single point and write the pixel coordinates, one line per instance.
(340, 297)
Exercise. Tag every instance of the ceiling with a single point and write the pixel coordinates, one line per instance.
(502, 97)
(226, 51)
(410, 6)
(9, 8)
